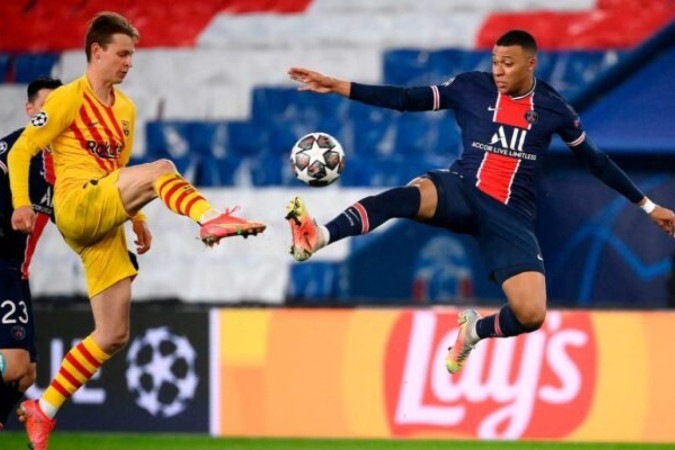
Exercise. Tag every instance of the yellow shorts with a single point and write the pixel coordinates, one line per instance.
(91, 219)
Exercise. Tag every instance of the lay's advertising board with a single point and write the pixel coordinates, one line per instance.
(585, 376)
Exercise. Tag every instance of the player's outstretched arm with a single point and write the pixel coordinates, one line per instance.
(663, 217)
(318, 82)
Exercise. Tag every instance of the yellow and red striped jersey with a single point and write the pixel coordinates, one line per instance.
(87, 138)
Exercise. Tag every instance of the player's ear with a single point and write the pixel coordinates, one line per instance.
(532, 64)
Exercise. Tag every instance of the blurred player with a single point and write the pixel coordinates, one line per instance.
(507, 118)
(17, 329)
(89, 125)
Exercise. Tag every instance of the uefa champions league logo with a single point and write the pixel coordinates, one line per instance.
(161, 373)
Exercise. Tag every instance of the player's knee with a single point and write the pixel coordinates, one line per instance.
(532, 318)
(163, 166)
(111, 343)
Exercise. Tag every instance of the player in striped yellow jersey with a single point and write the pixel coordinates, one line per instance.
(89, 125)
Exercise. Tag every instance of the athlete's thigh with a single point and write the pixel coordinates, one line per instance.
(17, 327)
(453, 208)
(507, 241)
(107, 261)
(86, 215)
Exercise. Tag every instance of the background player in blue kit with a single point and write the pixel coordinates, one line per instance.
(507, 118)
(17, 334)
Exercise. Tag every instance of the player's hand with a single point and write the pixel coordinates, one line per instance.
(318, 82)
(23, 219)
(143, 236)
(665, 219)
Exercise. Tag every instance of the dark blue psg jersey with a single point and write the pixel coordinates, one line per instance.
(16, 248)
(504, 137)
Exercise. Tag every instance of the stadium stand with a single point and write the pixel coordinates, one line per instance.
(212, 93)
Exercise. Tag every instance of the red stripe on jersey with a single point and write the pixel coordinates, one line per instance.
(495, 175)
(111, 118)
(83, 143)
(510, 111)
(48, 166)
(90, 125)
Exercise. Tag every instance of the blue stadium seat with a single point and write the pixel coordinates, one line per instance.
(373, 129)
(314, 282)
(395, 170)
(430, 133)
(269, 104)
(173, 140)
(246, 139)
(410, 67)
(4, 66)
(28, 66)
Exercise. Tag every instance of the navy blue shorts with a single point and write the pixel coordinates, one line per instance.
(506, 238)
(17, 328)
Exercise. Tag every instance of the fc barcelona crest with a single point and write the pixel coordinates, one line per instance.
(125, 127)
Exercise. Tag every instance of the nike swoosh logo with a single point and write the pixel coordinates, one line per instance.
(492, 108)
(540, 258)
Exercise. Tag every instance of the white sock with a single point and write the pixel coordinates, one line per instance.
(472, 334)
(47, 408)
(209, 215)
(324, 237)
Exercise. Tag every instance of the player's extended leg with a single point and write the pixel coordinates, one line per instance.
(524, 313)
(417, 200)
(111, 310)
(140, 184)
(17, 373)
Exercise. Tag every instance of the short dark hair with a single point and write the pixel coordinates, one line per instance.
(518, 37)
(41, 83)
(102, 28)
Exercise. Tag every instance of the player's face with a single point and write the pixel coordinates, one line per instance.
(513, 69)
(114, 60)
(36, 105)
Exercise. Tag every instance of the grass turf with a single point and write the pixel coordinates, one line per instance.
(114, 441)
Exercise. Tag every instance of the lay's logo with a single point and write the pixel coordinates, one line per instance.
(537, 385)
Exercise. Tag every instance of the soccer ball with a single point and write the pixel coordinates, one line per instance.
(161, 372)
(317, 159)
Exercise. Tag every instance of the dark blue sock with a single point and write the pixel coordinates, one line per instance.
(371, 212)
(502, 324)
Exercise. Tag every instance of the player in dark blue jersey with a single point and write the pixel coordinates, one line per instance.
(17, 335)
(507, 119)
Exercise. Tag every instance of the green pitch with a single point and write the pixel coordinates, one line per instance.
(109, 441)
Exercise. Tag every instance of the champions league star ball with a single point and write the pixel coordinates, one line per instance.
(317, 159)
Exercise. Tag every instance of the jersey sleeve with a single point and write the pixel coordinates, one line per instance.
(56, 115)
(571, 131)
(450, 92)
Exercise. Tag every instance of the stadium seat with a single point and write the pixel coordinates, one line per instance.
(172, 140)
(314, 282)
(423, 134)
(28, 66)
